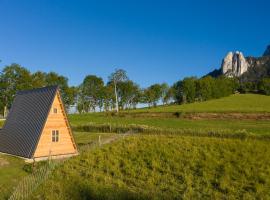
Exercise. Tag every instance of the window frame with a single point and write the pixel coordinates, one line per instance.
(55, 110)
(55, 136)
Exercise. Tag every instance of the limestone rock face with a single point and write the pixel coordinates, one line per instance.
(227, 63)
(267, 51)
(234, 64)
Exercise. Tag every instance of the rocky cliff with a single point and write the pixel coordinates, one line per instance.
(234, 64)
(258, 68)
(251, 68)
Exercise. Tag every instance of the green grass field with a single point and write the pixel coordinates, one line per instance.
(13, 169)
(239, 103)
(165, 167)
(162, 166)
(252, 126)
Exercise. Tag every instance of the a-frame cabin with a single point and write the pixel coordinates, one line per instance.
(37, 126)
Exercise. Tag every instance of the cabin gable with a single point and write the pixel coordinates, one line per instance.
(56, 138)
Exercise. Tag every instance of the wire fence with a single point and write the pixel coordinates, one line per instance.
(30, 183)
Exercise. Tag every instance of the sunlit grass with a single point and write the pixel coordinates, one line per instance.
(13, 169)
(243, 103)
(165, 167)
(252, 126)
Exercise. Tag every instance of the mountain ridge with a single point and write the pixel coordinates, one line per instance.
(235, 64)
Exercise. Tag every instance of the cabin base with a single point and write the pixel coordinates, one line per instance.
(56, 157)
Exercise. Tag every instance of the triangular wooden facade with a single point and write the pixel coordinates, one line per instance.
(35, 116)
(56, 121)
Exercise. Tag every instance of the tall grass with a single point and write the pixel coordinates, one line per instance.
(10, 174)
(165, 167)
(30, 183)
(42, 170)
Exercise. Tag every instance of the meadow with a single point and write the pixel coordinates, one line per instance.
(250, 126)
(11, 171)
(165, 167)
(239, 112)
(237, 103)
(156, 164)
(14, 169)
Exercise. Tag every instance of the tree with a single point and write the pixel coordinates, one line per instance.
(205, 88)
(169, 95)
(71, 96)
(81, 101)
(92, 92)
(224, 86)
(264, 86)
(109, 100)
(39, 79)
(12, 79)
(53, 78)
(185, 90)
(164, 91)
(152, 95)
(248, 86)
(115, 78)
(128, 94)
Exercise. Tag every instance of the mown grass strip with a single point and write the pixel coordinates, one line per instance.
(143, 129)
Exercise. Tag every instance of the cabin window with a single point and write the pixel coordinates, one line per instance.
(55, 136)
(55, 110)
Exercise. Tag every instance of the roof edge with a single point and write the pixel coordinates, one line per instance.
(56, 87)
(34, 147)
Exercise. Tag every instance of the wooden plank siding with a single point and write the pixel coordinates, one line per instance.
(56, 121)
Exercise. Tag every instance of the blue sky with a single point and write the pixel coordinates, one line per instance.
(154, 41)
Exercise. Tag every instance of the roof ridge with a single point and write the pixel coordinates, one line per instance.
(53, 87)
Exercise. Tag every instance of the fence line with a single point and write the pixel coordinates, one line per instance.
(30, 183)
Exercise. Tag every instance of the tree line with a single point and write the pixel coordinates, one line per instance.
(119, 92)
(14, 78)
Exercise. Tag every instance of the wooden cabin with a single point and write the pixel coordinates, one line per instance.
(37, 126)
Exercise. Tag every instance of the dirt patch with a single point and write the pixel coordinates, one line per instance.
(3, 162)
(198, 116)
(238, 116)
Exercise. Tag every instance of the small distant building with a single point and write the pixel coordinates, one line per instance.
(37, 126)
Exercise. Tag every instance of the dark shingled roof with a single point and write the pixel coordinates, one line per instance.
(25, 122)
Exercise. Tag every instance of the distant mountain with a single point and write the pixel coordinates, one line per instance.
(215, 73)
(234, 64)
(247, 68)
(258, 68)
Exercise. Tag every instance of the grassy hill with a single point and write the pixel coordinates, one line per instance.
(165, 167)
(14, 169)
(240, 103)
(95, 122)
(160, 164)
(252, 115)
